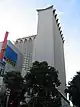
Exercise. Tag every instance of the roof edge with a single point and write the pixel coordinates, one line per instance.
(45, 8)
(27, 37)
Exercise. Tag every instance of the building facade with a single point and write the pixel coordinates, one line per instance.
(25, 45)
(12, 61)
(49, 42)
(13, 58)
(19, 59)
(47, 45)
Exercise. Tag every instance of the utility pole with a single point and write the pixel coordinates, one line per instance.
(8, 94)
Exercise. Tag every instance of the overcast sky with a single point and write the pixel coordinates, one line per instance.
(19, 17)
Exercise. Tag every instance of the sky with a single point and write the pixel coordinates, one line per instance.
(19, 17)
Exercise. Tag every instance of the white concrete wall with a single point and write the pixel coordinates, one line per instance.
(44, 46)
(59, 62)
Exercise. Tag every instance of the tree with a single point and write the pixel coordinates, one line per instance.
(15, 83)
(41, 82)
(74, 90)
(3, 100)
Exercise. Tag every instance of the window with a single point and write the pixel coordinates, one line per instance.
(30, 39)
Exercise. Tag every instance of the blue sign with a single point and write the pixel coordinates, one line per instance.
(10, 55)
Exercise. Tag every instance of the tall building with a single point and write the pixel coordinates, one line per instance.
(47, 45)
(49, 42)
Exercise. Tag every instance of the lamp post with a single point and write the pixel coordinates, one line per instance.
(8, 94)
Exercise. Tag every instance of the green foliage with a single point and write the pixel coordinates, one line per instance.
(41, 82)
(74, 90)
(3, 100)
(15, 82)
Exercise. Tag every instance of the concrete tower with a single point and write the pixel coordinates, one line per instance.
(49, 43)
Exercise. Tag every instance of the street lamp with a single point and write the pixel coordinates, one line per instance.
(8, 94)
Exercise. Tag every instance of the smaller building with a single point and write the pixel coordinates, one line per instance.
(25, 45)
(12, 60)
